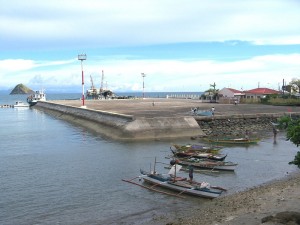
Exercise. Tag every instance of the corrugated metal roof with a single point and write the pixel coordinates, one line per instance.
(262, 91)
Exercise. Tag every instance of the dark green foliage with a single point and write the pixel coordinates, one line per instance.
(284, 122)
(296, 160)
(293, 134)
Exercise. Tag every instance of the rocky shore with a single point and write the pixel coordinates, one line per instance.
(273, 203)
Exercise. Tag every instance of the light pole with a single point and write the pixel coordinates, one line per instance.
(143, 75)
(82, 57)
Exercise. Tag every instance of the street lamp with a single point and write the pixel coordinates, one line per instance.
(143, 75)
(82, 57)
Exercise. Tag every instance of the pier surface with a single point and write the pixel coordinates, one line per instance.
(163, 107)
(136, 119)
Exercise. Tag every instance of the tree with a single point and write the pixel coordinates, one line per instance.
(213, 92)
(295, 83)
(293, 134)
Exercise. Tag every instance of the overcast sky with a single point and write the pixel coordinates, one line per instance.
(181, 45)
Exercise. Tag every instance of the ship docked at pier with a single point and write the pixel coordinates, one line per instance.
(101, 93)
(37, 96)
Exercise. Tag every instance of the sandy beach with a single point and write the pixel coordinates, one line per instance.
(258, 205)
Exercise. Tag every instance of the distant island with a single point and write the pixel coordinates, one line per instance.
(21, 89)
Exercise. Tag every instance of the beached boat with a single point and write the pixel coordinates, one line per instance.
(207, 164)
(196, 147)
(200, 189)
(199, 155)
(234, 141)
(37, 96)
(20, 104)
(178, 184)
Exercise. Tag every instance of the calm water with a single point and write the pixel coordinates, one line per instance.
(53, 172)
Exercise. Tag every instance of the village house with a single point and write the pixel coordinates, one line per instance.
(230, 95)
(259, 93)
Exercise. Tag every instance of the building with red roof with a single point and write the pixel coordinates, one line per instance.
(258, 93)
(230, 95)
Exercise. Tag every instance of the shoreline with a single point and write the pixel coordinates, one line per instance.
(245, 207)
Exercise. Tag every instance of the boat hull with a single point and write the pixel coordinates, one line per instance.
(226, 166)
(20, 104)
(188, 191)
(32, 103)
(210, 156)
(196, 148)
(239, 141)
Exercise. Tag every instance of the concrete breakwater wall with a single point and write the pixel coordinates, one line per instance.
(124, 127)
(237, 125)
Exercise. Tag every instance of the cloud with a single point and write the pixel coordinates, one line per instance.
(33, 33)
(63, 24)
(16, 65)
(164, 75)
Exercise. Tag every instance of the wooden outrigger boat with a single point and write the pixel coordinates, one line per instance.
(177, 184)
(207, 164)
(244, 141)
(199, 155)
(196, 147)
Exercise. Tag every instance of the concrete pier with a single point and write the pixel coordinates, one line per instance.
(122, 126)
(139, 119)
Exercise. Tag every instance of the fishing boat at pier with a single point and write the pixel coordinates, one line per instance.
(20, 104)
(37, 96)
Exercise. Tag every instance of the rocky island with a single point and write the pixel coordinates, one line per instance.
(21, 89)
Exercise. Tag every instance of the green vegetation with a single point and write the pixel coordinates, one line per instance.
(295, 85)
(285, 101)
(21, 89)
(293, 134)
(212, 93)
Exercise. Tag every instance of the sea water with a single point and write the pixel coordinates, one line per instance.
(52, 172)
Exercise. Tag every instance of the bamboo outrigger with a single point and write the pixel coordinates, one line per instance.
(178, 184)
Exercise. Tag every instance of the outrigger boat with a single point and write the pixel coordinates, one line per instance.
(234, 141)
(177, 184)
(207, 164)
(199, 155)
(196, 147)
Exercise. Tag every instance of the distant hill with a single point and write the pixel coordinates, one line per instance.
(21, 89)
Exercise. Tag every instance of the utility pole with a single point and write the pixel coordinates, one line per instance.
(143, 75)
(82, 57)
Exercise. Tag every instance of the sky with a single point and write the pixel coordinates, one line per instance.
(181, 45)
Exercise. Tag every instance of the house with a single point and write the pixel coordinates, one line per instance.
(258, 93)
(230, 95)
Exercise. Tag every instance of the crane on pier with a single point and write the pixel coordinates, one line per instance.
(101, 86)
(92, 92)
